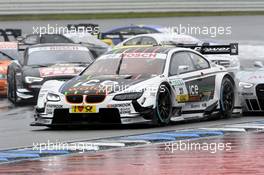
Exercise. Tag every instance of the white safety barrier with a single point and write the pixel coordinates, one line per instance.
(12, 7)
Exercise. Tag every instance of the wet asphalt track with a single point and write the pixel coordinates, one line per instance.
(16, 132)
(14, 121)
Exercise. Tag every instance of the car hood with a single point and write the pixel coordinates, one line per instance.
(55, 70)
(101, 84)
(251, 76)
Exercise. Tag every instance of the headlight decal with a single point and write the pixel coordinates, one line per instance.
(29, 79)
(53, 97)
(246, 85)
(128, 96)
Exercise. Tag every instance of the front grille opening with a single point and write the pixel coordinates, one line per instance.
(254, 104)
(95, 98)
(261, 103)
(105, 116)
(260, 95)
(248, 105)
(74, 98)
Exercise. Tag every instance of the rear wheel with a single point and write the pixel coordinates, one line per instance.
(11, 93)
(227, 98)
(163, 110)
(10, 87)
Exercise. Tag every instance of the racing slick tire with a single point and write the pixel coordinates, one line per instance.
(9, 87)
(163, 110)
(11, 92)
(227, 98)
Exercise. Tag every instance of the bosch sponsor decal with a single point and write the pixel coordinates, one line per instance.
(135, 55)
(59, 71)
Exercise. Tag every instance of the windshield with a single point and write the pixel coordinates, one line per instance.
(85, 38)
(128, 66)
(44, 57)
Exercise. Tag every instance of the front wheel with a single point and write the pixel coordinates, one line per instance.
(163, 110)
(227, 98)
(12, 88)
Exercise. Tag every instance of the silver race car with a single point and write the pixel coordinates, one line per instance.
(141, 84)
(251, 88)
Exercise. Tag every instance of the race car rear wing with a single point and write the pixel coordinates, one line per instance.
(7, 34)
(207, 49)
(118, 36)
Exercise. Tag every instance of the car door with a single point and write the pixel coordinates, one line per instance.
(195, 71)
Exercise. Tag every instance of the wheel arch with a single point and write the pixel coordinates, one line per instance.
(170, 88)
(230, 78)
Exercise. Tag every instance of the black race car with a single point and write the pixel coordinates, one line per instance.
(33, 39)
(96, 46)
(44, 62)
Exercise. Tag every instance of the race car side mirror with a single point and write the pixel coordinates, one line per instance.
(183, 69)
(258, 64)
(108, 42)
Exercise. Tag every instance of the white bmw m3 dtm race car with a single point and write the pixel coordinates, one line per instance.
(141, 84)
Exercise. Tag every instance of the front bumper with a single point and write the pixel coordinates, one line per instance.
(29, 94)
(252, 100)
(126, 112)
(105, 116)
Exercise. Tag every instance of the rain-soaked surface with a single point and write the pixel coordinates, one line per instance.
(245, 157)
(212, 156)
